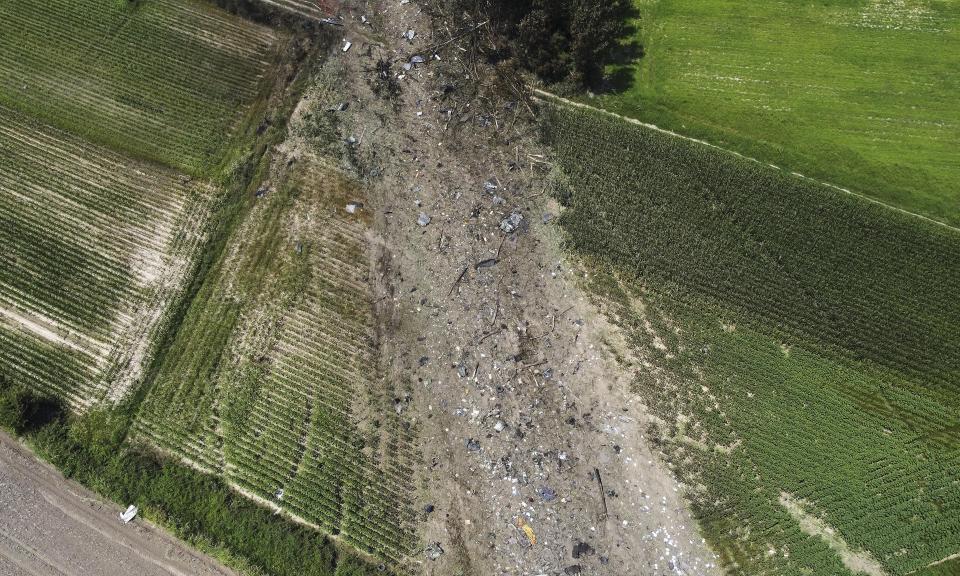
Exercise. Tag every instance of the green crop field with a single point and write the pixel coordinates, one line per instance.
(95, 248)
(799, 347)
(131, 134)
(859, 93)
(148, 79)
(274, 363)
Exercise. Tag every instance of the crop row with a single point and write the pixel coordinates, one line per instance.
(96, 246)
(281, 415)
(858, 279)
(153, 80)
(838, 380)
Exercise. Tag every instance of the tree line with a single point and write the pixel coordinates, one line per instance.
(567, 42)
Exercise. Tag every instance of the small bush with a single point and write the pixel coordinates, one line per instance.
(22, 410)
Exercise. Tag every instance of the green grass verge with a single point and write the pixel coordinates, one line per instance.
(860, 93)
(804, 342)
(198, 508)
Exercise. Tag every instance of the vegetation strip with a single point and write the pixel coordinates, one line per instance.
(856, 92)
(550, 97)
(785, 338)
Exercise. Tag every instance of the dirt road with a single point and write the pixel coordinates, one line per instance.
(53, 526)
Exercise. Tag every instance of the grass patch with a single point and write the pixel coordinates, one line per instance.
(860, 93)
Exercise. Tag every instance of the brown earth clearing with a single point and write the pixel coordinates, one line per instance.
(533, 452)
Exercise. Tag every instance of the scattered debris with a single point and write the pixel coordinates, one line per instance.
(499, 426)
(473, 445)
(511, 223)
(491, 185)
(603, 497)
(488, 263)
(352, 207)
(583, 549)
(527, 530)
(423, 220)
(410, 35)
(433, 551)
(547, 494)
(461, 370)
(331, 21)
(347, 45)
(262, 190)
(129, 514)
(573, 570)
(413, 62)
(278, 494)
(428, 509)
(547, 218)
(459, 278)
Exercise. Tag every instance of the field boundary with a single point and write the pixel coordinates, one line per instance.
(543, 95)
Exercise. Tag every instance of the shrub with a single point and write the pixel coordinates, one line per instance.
(22, 410)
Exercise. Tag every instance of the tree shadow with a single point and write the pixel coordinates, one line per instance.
(622, 60)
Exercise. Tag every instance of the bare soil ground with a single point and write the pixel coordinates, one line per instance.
(534, 459)
(50, 526)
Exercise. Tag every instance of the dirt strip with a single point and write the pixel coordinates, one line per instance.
(53, 526)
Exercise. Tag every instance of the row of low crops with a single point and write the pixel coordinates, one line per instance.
(811, 344)
(264, 381)
(855, 278)
(94, 246)
(145, 78)
(103, 279)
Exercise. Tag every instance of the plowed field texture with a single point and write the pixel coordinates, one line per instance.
(799, 348)
(107, 113)
(133, 136)
(274, 365)
(859, 93)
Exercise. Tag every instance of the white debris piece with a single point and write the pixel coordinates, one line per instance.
(423, 220)
(128, 515)
(352, 208)
(347, 45)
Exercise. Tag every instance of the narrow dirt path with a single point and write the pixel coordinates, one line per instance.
(50, 526)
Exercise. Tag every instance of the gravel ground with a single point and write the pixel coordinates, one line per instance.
(534, 460)
(53, 526)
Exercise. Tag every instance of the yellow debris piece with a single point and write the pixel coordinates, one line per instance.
(521, 524)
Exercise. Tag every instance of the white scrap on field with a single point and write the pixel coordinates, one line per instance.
(128, 514)
(346, 45)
